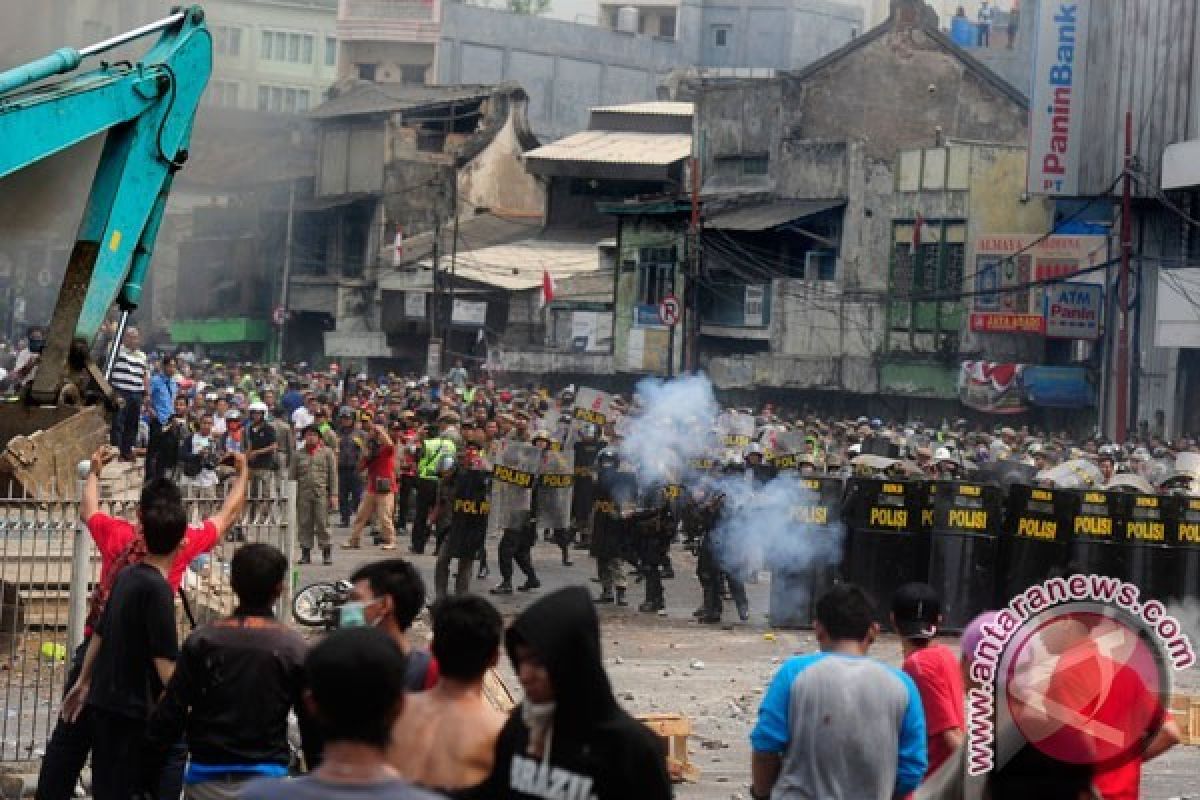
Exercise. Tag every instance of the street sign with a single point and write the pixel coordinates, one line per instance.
(668, 310)
(278, 316)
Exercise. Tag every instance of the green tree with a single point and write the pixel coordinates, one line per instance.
(531, 7)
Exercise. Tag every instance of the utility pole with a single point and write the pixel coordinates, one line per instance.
(433, 358)
(1122, 404)
(287, 268)
(691, 313)
(453, 253)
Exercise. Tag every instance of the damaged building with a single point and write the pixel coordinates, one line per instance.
(394, 162)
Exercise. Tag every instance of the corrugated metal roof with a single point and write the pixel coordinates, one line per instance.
(768, 215)
(617, 147)
(519, 265)
(665, 108)
(366, 97)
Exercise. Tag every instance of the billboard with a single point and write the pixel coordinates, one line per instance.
(1009, 269)
(1056, 104)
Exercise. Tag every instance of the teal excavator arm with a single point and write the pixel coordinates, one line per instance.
(147, 110)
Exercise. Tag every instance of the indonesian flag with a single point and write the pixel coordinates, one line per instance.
(923, 233)
(547, 287)
(398, 248)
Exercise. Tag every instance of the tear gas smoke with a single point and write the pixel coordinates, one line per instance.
(672, 428)
(759, 526)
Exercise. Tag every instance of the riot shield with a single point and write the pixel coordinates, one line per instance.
(785, 449)
(584, 490)
(591, 406)
(736, 431)
(964, 548)
(513, 475)
(469, 515)
(554, 488)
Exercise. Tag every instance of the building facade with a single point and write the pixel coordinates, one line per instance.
(568, 68)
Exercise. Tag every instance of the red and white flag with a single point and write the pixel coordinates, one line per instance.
(398, 248)
(547, 288)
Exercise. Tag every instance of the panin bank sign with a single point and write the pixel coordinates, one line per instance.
(1073, 310)
(1056, 109)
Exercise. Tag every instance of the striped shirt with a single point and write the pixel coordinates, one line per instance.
(129, 371)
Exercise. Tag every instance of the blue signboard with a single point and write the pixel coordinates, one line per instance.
(1073, 310)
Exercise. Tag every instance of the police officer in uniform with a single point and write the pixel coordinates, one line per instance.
(652, 531)
(433, 449)
(614, 489)
(710, 569)
(586, 449)
(314, 469)
(459, 541)
(516, 544)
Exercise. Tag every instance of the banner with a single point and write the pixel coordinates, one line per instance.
(469, 313)
(991, 387)
(1056, 104)
(1007, 266)
(1011, 388)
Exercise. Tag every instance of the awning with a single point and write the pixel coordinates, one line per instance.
(763, 216)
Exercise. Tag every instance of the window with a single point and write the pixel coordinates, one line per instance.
(227, 41)
(294, 48)
(926, 275)
(666, 26)
(330, 51)
(656, 274)
(412, 74)
(754, 165)
(222, 93)
(283, 99)
(720, 35)
(366, 72)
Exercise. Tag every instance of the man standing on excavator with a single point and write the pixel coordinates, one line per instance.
(131, 380)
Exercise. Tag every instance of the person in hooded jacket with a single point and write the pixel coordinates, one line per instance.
(569, 738)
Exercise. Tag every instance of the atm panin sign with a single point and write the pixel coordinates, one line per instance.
(1073, 310)
(1056, 109)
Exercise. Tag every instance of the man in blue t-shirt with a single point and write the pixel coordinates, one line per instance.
(837, 724)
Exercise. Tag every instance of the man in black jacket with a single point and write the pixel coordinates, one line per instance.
(233, 686)
(569, 738)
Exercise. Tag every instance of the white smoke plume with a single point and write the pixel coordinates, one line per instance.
(761, 526)
(673, 426)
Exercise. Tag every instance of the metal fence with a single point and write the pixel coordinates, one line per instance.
(48, 565)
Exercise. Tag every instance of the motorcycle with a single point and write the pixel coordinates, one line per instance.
(316, 605)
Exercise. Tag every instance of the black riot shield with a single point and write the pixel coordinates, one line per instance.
(964, 549)
(1145, 556)
(616, 493)
(1036, 531)
(469, 514)
(802, 574)
(584, 491)
(886, 543)
(1184, 537)
(1093, 545)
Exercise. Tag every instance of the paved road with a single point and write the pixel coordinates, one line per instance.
(653, 663)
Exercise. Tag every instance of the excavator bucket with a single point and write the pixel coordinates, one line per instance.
(44, 444)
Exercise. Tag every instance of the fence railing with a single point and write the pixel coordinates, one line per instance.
(48, 566)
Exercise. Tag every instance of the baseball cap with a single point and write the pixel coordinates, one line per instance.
(916, 607)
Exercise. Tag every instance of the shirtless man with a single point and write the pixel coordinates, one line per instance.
(445, 737)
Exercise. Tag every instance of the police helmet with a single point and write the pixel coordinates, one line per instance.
(446, 463)
(753, 449)
(608, 457)
(589, 431)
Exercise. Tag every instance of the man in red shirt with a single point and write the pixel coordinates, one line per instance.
(934, 668)
(408, 444)
(120, 544)
(379, 500)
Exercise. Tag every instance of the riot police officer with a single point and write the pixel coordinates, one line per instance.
(652, 531)
(586, 449)
(516, 544)
(614, 489)
(712, 564)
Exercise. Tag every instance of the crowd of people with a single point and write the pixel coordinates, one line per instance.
(377, 714)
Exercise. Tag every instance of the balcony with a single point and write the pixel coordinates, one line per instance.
(410, 21)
